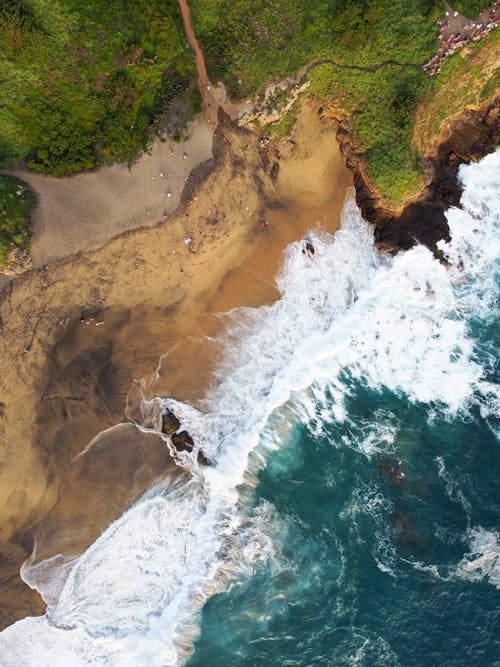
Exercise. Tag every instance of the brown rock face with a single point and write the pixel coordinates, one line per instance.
(472, 136)
(182, 441)
(169, 423)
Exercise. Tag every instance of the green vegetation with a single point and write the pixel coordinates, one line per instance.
(83, 80)
(469, 78)
(17, 202)
(371, 53)
(470, 8)
(250, 42)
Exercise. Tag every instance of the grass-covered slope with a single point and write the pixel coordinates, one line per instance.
(374, 51)
(468, 79)
(82, 80)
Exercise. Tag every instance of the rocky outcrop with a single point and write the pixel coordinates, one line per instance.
(180, 439)
(274, 102)
(470, 137)
(169, 423)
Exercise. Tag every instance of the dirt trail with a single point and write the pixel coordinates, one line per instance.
(210, 104)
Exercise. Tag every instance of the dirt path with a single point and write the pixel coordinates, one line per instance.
(210, 104)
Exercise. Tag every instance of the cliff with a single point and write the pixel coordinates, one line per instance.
(470, 136)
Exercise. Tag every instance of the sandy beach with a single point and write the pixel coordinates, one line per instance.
(82, 212)
(79, 335)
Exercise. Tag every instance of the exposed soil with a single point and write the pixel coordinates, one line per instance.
(210, 102)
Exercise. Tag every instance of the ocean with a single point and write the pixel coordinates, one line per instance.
(352, 514)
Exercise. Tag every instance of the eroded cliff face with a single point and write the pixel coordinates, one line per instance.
(471, 136)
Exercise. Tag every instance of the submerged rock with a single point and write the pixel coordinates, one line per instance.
(391, 470)
(412, 536)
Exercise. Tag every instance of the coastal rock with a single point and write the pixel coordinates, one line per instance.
(182, 441)
(203, 460)
(470, 137)
(169, 423)
(308, 249)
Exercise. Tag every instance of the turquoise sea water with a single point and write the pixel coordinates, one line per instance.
(352, 516)
(385, 524)
(372, 568)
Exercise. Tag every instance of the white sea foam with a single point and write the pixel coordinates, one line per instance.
(482, 563)
(483, 559)
(373, 650)
(346, 315)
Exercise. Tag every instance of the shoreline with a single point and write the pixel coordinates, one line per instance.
(79, 333)
(238, 213)
(470, 136)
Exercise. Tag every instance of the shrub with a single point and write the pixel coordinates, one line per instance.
(17, 203)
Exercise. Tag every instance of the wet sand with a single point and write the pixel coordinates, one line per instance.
(82, 336)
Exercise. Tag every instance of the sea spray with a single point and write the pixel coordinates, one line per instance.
(347, 316)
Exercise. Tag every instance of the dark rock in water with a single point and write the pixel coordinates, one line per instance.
(413, 538)
(182, 441)
(403, 529)
(169, 423)
(308, 249)
(203, 460)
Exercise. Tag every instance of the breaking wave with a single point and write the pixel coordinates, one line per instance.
(346, 315)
